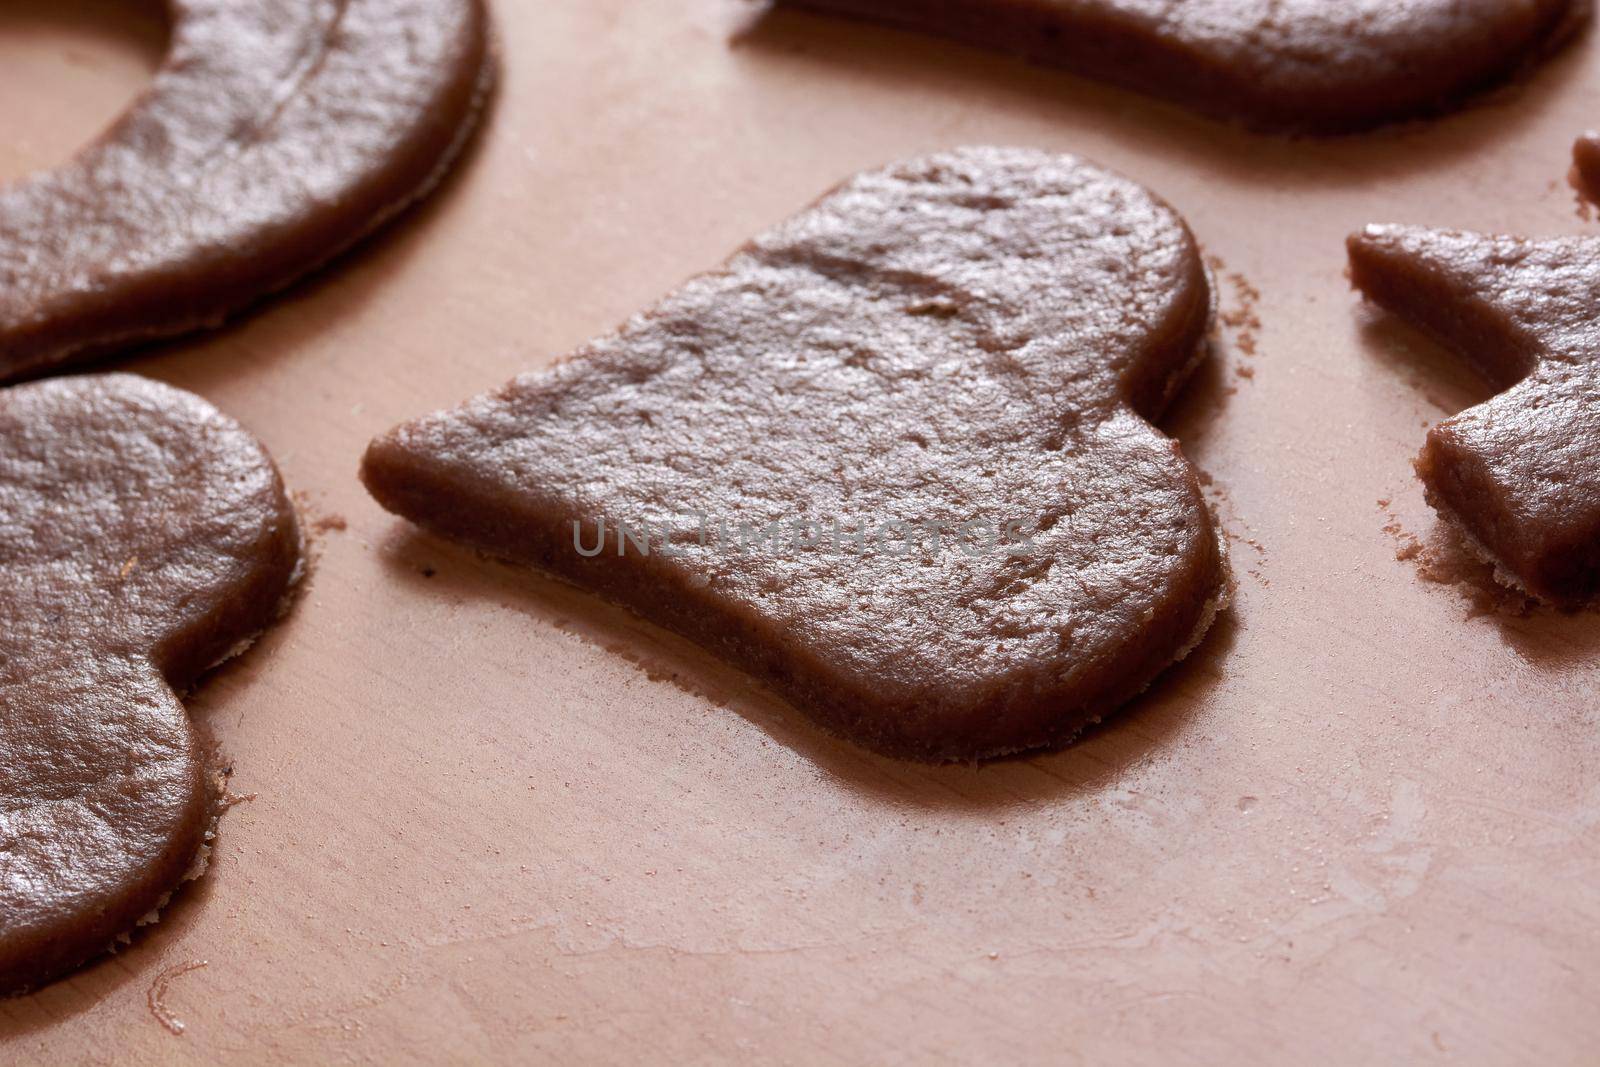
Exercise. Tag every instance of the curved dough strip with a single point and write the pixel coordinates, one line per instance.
(277, 133)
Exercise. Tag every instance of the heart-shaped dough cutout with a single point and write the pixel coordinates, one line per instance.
(977, 337)
(144, 536)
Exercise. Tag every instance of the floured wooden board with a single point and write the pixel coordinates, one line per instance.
(492, 820)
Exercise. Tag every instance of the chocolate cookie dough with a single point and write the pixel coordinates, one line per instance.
(277, 133)
(1294, 65)
(144, 537)
(893, 456)
(1586, 155)
(1520, 473)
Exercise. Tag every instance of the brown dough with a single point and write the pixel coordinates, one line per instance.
(144, 536)
(1518, 472)
(974, 336)
(1293, 65)
(1586, 155)
(277, 133)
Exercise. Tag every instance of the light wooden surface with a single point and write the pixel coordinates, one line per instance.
(495, 821)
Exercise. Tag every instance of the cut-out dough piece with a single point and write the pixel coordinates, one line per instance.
(277, 133)
(1294, 65)
(144, 537)
(1586, 154)
(977, 336)
(1520, 473)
